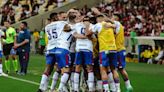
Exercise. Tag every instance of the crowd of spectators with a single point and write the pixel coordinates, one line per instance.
(16, 10)
(146, 17)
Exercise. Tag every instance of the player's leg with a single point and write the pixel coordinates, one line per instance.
(55, 77)
(1, 66)
(128, 85)
(50, 61)
(113, 65)
(14, 60)
(111, 80)
(24, 59)
(121, 68)
(78, 63)
(96, 69)
(88, 58)
(72, 67)
(63, 60)
(103, 69)
(6, 52)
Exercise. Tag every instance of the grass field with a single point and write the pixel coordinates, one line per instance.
(144, 78)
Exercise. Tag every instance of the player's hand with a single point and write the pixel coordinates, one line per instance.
(95, 10)
(16, 46)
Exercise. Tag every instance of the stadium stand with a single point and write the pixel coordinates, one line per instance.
(16, 10)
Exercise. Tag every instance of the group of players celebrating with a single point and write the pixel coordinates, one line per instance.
(96, 44)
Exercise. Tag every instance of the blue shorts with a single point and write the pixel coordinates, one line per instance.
(1, 55)
(121, 59)
(50, 56)
(62, 57)
(59, 55)
(108, 59)
(84, 57)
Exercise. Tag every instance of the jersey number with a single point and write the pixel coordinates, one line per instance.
(52, 34)
(83, 31)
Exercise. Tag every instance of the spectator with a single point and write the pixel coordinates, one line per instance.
(42, 42)
(160, 57)
(133, 40)
(35, 8)
(22, 45)
(36, 39)
(147, 55)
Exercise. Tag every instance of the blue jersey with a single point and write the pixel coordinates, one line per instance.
(23, 35)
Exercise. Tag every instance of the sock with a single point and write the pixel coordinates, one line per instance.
(105, 85)
(127, 84)
(111, 82)
(64, 80)
(15, 65)
(99, 85)
(54, 80)
(0, 68)
(117, 86)
(43, 82)
(72, 80)
(91, 81)
(76, 81)
(7, 65)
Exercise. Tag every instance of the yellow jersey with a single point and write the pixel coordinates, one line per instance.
(36, 36)
(147, 54)
(156, 52)
(46, 39)
(106, 37)
(120, 39)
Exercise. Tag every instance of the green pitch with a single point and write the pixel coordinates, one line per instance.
(144, 78)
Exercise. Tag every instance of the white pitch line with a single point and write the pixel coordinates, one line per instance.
(23, 80)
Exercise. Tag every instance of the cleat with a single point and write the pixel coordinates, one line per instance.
(130, 89)
(3, 74)
(39, 90)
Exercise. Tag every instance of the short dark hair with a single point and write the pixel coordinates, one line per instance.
(98, 16)
(25, 23)
(52, 15)
(61, 12)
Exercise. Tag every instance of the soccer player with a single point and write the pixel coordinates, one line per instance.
(84, 54)
(1, 67)
(107, 48)
(10, 35)
(96, 67)
(121, 52)
(70, 20)
(50, 56)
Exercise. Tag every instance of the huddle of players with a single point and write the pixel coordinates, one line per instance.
(77, 41)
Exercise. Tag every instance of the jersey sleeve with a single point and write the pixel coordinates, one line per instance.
(27, 36)
(96, 28)
(117, 24)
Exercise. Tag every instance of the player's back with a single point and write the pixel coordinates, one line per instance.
(82, 44)
(53, 30)
(106, 38)
(120, 39)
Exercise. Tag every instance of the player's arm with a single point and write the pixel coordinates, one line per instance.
(26, 40)
(109, 25)
(79, 36)
(97, 12)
